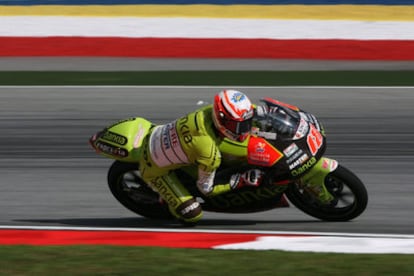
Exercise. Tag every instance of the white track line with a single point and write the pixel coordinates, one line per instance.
(206, 86)
(140, 27)
(186, 230)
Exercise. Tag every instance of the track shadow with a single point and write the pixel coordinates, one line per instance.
(138, 222)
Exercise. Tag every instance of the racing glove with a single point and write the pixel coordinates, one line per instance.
(251, 177)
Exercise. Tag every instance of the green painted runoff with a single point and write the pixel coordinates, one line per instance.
(254, 78)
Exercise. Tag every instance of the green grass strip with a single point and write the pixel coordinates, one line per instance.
(360, 78)
(113, 260)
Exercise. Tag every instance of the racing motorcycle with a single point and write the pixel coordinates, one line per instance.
(288, 144)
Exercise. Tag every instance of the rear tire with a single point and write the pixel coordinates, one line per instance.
(351, 197)
(132, 192)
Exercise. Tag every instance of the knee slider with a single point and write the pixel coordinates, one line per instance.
(189, 210)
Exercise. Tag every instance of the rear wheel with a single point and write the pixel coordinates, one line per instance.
(351, 197)
(131, 191)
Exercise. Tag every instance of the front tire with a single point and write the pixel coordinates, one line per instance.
(351, 197)
(132, 192)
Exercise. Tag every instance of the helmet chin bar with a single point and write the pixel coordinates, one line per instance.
(224, 132)
(243, 137)
(232, 136)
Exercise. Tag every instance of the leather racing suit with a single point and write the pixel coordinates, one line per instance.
(189, 140)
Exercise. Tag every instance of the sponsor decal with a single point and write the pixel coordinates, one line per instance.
(304, 167)
(165, 192)
(302, 159)
(165, 146)
(267, 135)
(294, 157)
(290, 150)
(169, 136)
(262, 153)
(165, 137)
(139, 137)
(190, 208)
(111, 150)
(260, 147)
(302, 130)
(314, 140)
(154, 148)
(238, 97)
(114, 138)
(247, 197)
(184, 130)
(329, 164)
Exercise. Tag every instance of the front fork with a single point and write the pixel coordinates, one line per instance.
(314, 180)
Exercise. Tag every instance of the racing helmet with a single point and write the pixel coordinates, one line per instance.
(232, 114)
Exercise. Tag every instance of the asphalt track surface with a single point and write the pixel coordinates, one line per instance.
(51, 177)
(171, 64)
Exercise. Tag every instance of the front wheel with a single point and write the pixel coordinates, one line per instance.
(351, 197)
(132, 192)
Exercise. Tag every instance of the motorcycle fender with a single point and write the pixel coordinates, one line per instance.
(320, 170)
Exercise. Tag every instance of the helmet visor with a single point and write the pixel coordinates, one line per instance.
(238, 127)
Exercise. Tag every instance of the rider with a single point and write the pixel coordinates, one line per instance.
(194, 140)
